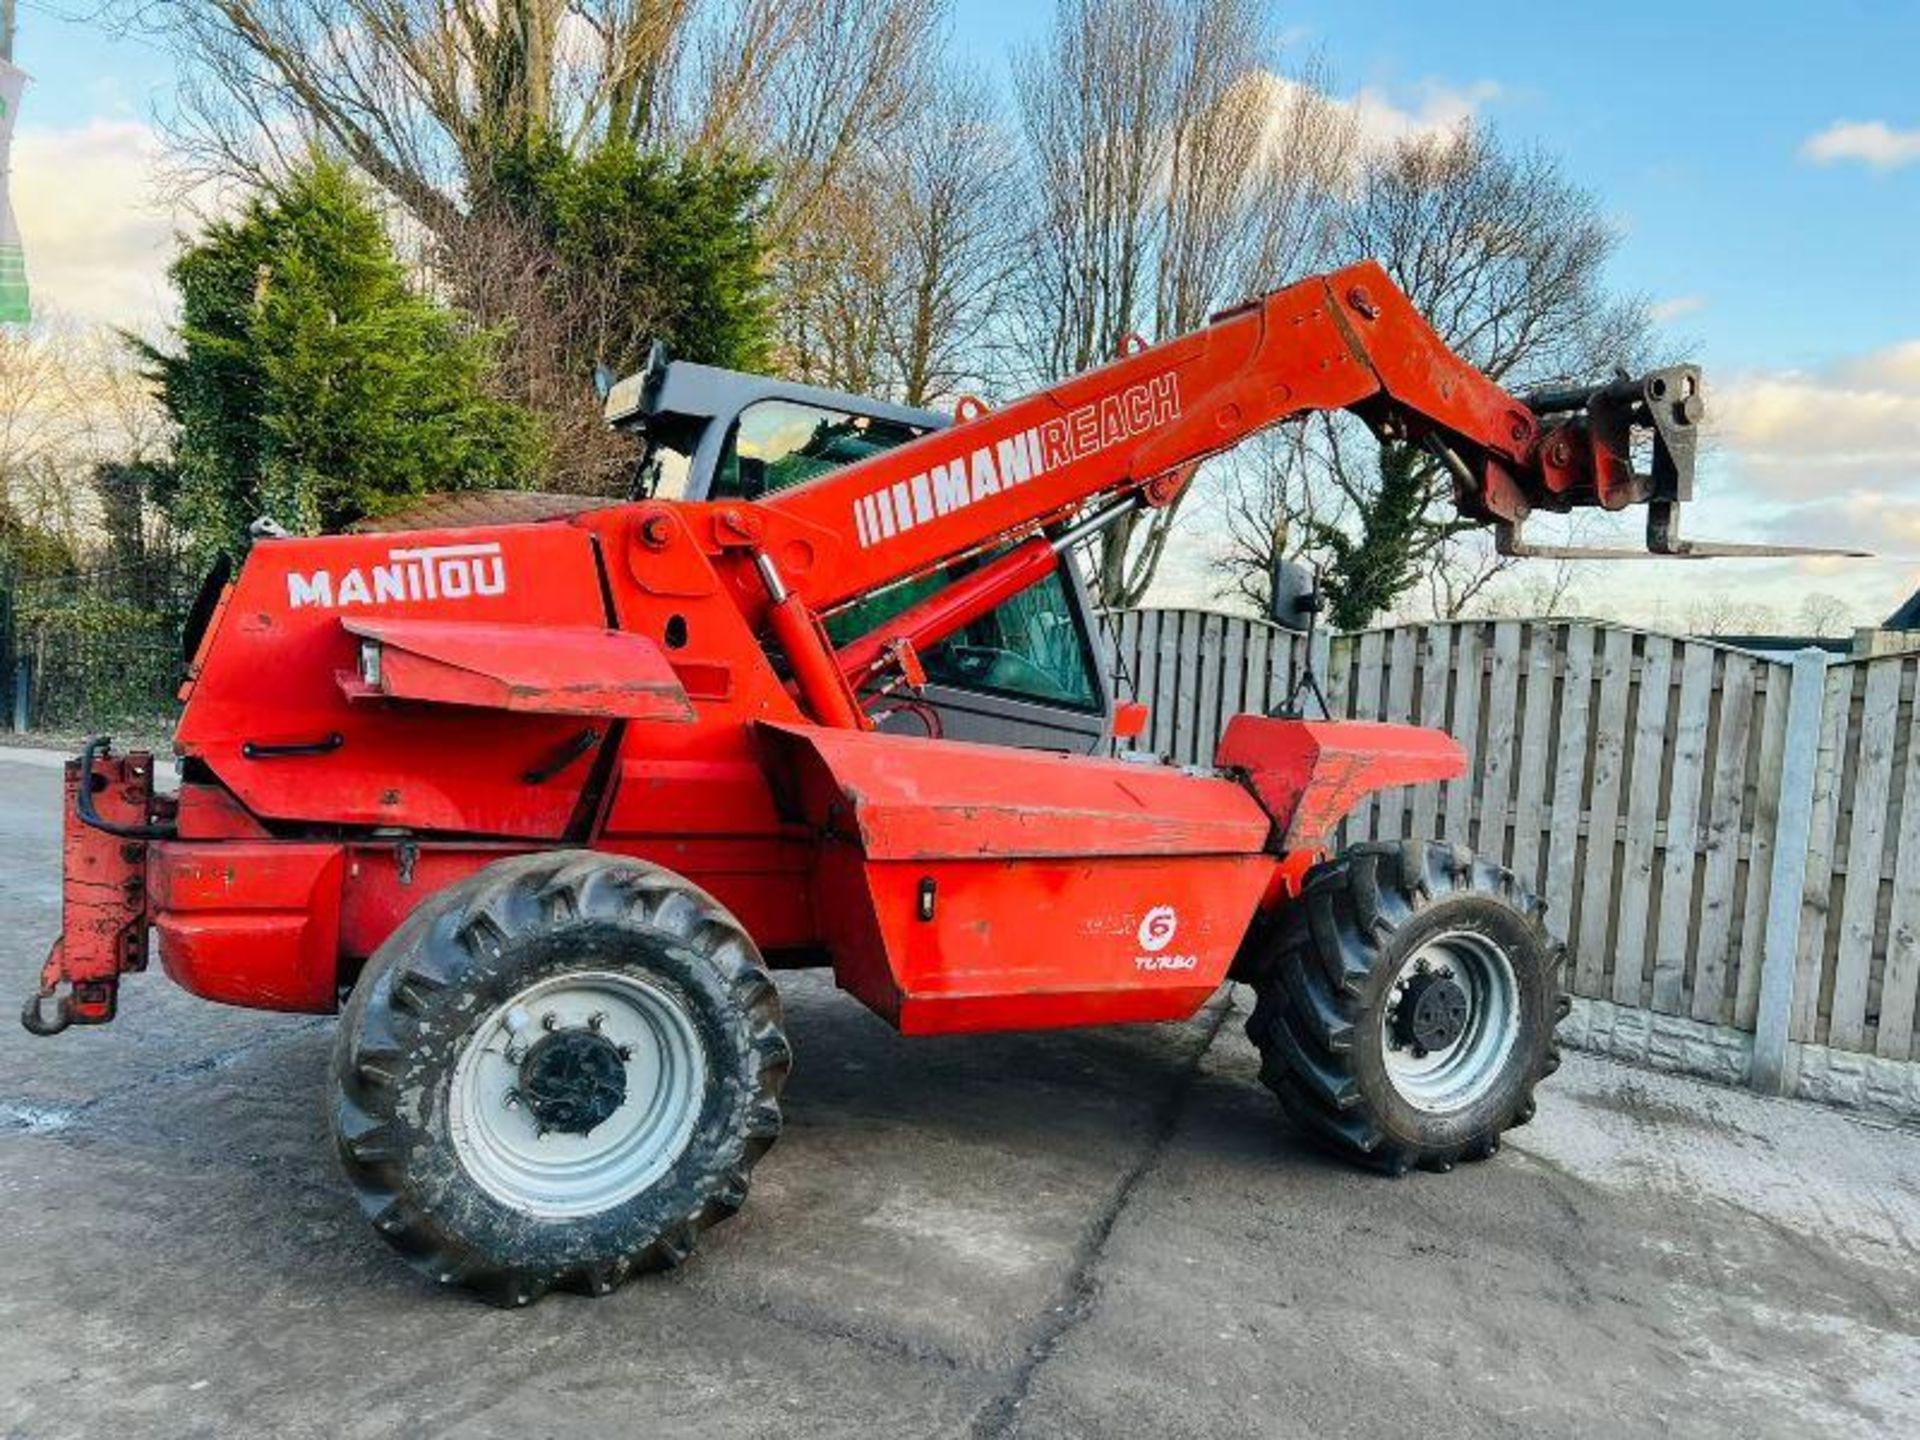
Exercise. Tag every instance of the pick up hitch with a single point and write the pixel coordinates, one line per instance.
(109, 820)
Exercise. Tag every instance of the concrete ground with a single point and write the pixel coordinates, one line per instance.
(1101, 1233)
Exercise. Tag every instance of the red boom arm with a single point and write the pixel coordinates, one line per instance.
(1134, 429)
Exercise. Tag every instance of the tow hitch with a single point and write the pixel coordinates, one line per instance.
(109, 819)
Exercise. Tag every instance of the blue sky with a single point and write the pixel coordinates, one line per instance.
(1788, 261)
(1687, 120)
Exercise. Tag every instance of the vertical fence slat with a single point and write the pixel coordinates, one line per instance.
(1822, 834)
(1318, 654)
(1597, 902)
(1233, 669)
(1866, 836)
(1569, 779)
(1208, 655)
(1365, 705)
(1436, 646)
(1724, 813)
(1900, 982)
(1768, 768)
(1496, 766)
(1166, 682)
(1337, 677)
(1467, 649)
(1530, 779)
(1643, 815)
(1257, 666)
(1390, 805)
(1689, 747)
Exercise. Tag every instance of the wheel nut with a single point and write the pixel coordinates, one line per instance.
(513, 1100)
(549, 1021)
(626, 1052)
(597, 1021)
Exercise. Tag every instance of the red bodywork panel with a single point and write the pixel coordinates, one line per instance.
(251, 923)
(532, 669)
(968, 887)
(266, 713)
(1310, 773)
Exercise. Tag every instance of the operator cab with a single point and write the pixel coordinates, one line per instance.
(1029, 673)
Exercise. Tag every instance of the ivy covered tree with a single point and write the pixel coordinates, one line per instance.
(670, 241)
(582, 260)
(313, 383)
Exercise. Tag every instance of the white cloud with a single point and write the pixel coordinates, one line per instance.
(1870, 142)
(98, 236)
(1378, 117)
(1665, 311)
(1853, 427)
(1431, 109)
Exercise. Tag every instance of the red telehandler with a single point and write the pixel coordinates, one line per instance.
(544, 803)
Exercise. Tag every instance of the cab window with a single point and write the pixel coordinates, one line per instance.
(777, 443)
(1029, 649)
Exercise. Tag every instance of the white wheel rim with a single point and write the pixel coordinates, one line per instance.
(556, 1174)
(1454, 1077)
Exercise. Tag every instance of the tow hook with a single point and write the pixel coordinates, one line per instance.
(33, 1014)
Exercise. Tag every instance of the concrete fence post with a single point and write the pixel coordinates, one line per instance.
(1788, 882)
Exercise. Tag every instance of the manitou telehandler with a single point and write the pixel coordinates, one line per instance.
(545, 802)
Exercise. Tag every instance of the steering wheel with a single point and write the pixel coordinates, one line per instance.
(1003, 670)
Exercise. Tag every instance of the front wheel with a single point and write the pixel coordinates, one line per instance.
(557, 1072)
(1406, 1007)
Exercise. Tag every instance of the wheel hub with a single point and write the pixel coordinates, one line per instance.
(1433, 1012)
(573, 1080)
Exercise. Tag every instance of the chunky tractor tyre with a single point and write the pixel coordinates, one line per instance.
(557, 1072)
(1406, 1006)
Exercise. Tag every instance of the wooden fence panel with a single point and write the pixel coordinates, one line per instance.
(1633, 780)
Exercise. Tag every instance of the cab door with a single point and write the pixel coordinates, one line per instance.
(1029, 674)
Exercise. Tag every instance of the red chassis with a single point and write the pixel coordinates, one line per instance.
(370, 718)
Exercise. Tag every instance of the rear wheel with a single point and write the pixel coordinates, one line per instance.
(558, 1072)
(1406, 1007)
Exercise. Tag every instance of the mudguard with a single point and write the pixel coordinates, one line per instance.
(1307, 774)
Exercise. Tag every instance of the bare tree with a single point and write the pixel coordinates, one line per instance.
(1172, 173)
(1719, 613)
(1821, 612)
(423, 95)
(893, 283)
(72, 401)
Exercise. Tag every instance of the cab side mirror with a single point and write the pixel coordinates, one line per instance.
(1294, 597)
